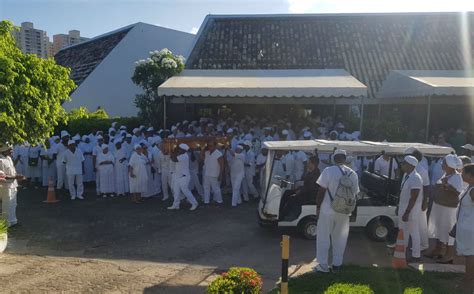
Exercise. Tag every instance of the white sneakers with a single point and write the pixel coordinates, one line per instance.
(193, 207)
(80, 197)
(73, 198)
(321, 269)
(173, 208)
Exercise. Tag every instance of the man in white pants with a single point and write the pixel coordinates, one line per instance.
(409, 207)
(96, 150)
(249, 187)
(237, 173)
(182, 178)
(59, 151)
(74, 161)
(8, 184)
(212, 170)
(165, 172)
(332, 226)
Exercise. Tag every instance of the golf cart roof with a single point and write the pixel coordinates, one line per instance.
(358, 147)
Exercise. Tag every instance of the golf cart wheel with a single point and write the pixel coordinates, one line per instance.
(378, 229)
(308, 228)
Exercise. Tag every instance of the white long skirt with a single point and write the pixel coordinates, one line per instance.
(121, 178)
(107, 178)
(441, 222)
(139, 184)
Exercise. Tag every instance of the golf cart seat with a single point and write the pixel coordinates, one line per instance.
(378, 186)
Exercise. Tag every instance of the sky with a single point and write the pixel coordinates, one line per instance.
(95, 17)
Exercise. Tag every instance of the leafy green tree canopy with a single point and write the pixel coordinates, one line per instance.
(31, 92)
(151, 73)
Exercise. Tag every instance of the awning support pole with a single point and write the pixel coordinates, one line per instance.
(164, 112)
(361, 126)
(428, 117)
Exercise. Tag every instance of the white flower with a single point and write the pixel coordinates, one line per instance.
(140, 62)
(165, 51)
(168, 63)
(149, 60)
(181, 59)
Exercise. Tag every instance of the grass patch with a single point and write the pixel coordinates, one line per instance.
(378, 280)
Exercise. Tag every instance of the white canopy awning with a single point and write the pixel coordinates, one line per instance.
(423, 83)
(248, 85)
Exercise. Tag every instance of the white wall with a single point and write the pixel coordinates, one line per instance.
(110, 85)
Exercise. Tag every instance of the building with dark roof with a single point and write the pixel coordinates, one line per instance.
(368, 46)
(102, 67)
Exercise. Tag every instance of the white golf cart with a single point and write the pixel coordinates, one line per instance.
(377, 202)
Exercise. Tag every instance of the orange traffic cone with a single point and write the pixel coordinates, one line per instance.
(51, 198)
(399, 256)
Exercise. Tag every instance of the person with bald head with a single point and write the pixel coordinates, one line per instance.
(8, 184)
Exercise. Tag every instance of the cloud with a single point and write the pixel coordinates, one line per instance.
(301, 6)
(194, 30)
(338, 6)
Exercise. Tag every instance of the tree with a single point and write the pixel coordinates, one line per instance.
(31, 92)
(151, 73)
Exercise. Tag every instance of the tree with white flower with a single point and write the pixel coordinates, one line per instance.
(151, 73)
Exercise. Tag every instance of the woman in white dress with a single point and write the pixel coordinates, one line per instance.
(237, 173)
(464, 226)
(105, 168)
(48, 164)
(138, 176)
(148, 157)
(86, 147)
(443, 212)
(121, 170)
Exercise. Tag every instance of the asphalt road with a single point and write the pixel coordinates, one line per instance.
(113, 245)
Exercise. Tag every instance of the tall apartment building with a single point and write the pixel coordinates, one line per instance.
(31, 40)
(61, 41)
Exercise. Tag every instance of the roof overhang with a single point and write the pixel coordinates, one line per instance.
(426, 83)
(303, 86)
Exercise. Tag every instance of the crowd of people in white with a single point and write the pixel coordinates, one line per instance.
(137, 163)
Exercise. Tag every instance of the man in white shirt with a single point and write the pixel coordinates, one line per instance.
(74, 161)
(59, 150)
(249, 187)
(300, 164)
(332, 226)
(8, 184)
(182, 178)
(212, 173)
(382, 166)
(409, 207)
(96, 150)
(469, 151)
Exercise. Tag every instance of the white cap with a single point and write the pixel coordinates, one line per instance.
(135, 130)
(104, 146)
(123, 127)
(84, 137)
(248, 143)
(230, 130)
(411, 160)
(64, 134)
(239, 147)
(99, 137)
(452, 161)
(468, 147)
(76, 137)
(340, 126)
(185, 122)
(409, 150)
(150, 129)
(128, 136)
(137, 146)
(184, 146)
(111, 130)
(173, 128)
(5, 147)
(340, 152)
(71, 142)
(307, 134)
(285, 132)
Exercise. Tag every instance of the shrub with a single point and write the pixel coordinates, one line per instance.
(81, 121)
(341, 288)
(413, 291)
(237, 280)
(3, 226)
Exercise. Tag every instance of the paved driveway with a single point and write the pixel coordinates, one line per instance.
(104, 245)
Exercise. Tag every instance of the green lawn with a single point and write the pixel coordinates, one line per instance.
(379, 280)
